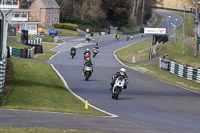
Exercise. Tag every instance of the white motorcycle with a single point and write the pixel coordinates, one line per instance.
(118, 87)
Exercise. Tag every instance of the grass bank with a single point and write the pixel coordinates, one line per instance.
(140, 51)
(47, 52)
(61, 32)
(159, 20)
(39, 130)
(37, 87)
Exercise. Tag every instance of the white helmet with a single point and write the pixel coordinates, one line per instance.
(122, 71)
(87, 49)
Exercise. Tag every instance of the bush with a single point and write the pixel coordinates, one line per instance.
(69, 26)
(58, 25)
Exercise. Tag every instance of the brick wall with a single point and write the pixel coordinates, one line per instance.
(48, 17)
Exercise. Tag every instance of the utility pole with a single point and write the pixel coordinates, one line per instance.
(184, 29)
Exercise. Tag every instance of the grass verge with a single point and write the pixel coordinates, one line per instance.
(135, 53)
(39, 130)
(17, 45)
(140, 51)
(62, 32)
(159, 20)
(37, 87)
(154, 70)
(175, 53)
(47, 52)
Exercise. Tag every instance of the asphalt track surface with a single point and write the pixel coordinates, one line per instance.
(147, 106)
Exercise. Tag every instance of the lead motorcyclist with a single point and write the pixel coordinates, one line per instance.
(116, 75)
(87, 61)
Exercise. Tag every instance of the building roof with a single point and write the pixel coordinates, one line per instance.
(50, 3)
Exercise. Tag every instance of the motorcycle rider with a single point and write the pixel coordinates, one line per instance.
(96, 46)
(73, 49)
(116, 75)
(127, 37)
(87, 51)
(87, 61)
(131, 37)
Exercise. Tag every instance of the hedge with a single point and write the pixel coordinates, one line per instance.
(58, 25)
(69, 26)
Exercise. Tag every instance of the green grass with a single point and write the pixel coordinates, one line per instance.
(62, 32)
(37, 87)
(17, 45)
(139, 51)
(126, 54)
(47, 53)
(39, 130)
(46, 39)
(154, 70)
(159, 20)
(175, 54)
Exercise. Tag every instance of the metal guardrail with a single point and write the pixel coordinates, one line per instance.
(189, 73)
(3, 63)
(24, 53)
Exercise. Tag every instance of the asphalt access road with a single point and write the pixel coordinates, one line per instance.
(148, 105)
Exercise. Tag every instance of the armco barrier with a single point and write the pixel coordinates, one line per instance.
(3, 63)
(23, 53)
(189, 73)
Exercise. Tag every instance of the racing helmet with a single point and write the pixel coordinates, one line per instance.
(122, 71)
(87, 49)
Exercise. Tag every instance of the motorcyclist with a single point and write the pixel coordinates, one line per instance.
(96, 46)
(73, 49)
(87, 51)
(87, 61)
(127, 37)
(116, 75)
(117, 37)
(131, 37)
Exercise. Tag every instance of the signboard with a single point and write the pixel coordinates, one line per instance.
(155, 31)
(164, 65)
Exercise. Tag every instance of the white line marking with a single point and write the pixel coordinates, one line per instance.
(80, 98)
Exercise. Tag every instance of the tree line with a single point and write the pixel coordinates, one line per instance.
(104, 13)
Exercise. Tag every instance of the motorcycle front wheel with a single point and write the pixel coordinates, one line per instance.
(87, 75)
(116, 92)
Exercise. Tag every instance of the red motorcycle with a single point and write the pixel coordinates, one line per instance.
(95, 52)
(87, 55)
(118, 38)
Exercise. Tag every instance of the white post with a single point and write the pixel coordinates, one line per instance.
(184, 29)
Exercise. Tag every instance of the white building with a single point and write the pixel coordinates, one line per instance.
(20, 17)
